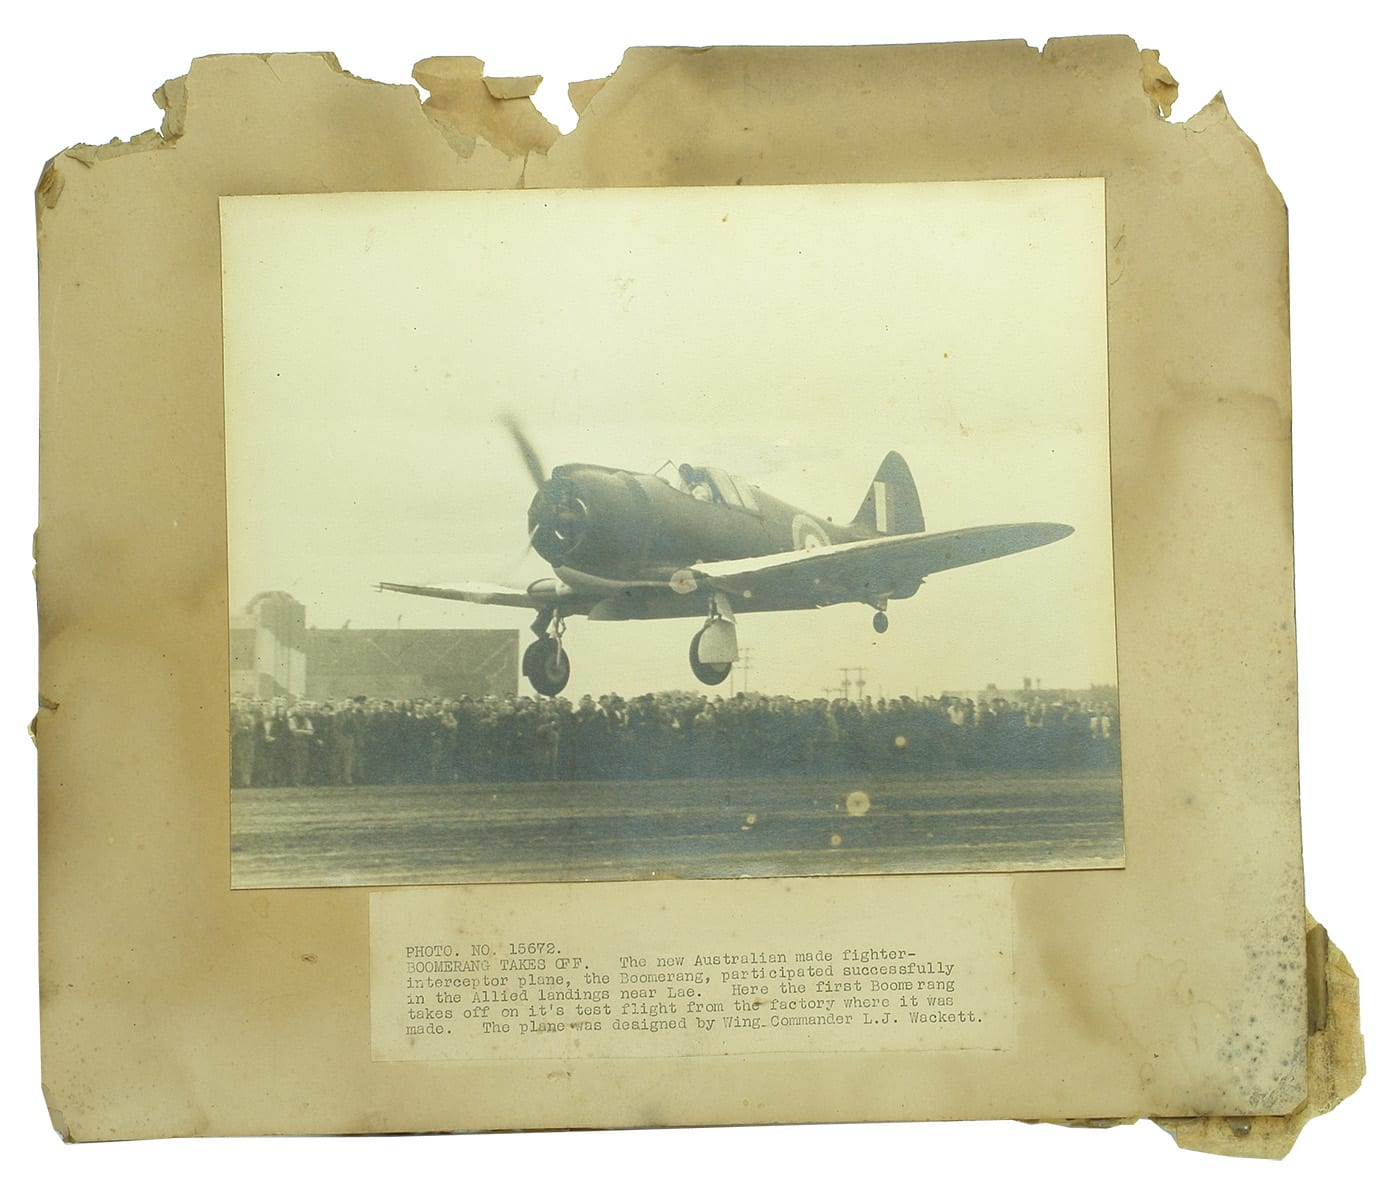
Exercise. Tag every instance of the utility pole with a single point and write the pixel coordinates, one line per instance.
(859, 682)
(743, 658)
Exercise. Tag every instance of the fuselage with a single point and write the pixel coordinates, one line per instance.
(618, 525)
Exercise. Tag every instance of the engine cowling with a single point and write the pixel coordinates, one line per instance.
(590, 518)
(558, 519)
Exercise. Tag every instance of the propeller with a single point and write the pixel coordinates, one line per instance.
(532, 460)
(557, 519)
(525, 449)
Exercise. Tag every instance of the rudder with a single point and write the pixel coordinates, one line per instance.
(891, 505)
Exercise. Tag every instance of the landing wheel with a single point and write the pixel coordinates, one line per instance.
(546, 666)
(708, 673)
(881, 622)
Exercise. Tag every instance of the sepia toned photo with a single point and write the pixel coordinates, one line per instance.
(669, 533)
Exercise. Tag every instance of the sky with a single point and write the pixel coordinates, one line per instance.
(792, 335)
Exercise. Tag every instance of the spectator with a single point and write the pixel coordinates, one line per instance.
(488, 739)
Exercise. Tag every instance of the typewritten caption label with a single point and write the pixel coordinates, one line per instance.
(692, 968)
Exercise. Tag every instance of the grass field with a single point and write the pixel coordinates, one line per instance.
(674, 829)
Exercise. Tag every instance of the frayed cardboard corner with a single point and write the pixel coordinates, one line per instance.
(1334, 1058)
(497, 109)
(1158, 83)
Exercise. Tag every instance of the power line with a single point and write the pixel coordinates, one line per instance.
(744, 658)
(859, 682)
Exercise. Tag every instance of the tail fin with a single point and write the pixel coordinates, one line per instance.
(891, 505)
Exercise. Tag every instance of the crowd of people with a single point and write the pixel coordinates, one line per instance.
(667, 735)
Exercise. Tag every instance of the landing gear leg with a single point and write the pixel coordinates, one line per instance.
(544, 662)
(881, 621)
(713, 649)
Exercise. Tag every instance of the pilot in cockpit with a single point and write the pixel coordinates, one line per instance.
(694, 483)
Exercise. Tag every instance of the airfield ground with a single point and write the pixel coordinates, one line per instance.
(683, 829)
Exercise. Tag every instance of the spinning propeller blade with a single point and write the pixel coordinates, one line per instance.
(525, 449)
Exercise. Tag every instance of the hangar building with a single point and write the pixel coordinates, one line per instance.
(273, 653)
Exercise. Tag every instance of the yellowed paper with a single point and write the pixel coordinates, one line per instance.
(171, 1000)
(768, 968)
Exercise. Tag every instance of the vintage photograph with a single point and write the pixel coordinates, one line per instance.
(669, 533)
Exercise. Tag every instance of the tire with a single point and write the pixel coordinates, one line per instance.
(546, 666)
(711, 674)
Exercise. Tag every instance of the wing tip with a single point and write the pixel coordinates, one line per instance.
(1045, 533)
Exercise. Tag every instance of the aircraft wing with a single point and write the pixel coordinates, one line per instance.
(873, 569)
(538, 595)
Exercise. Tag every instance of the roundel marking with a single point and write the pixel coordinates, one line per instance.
(807, 533)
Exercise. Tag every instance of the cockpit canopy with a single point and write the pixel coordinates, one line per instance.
(715, 486)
